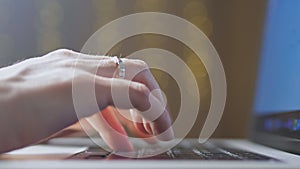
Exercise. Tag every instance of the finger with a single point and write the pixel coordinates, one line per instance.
(111, 130)
(159, 119)
(103, 66)
(131, 126)
(138, 71)
(125, 94)
(122, 93)
(138, 121)
(147, 126)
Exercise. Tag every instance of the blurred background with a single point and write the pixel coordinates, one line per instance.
(30, 28)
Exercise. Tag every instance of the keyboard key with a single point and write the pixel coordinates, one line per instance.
(207, 151)
(163, 156)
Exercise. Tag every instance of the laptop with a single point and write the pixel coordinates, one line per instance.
(274, 141)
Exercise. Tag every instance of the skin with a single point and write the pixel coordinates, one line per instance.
(36, 100)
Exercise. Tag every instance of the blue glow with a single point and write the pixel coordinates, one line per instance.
(278, 87)
(296, 125)
(274, 124)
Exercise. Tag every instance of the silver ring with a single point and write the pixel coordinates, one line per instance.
(121, 67)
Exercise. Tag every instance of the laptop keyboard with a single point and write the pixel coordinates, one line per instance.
(206, 151)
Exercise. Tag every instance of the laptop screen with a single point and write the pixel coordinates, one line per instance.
(277, 98)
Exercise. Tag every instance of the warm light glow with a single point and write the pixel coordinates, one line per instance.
(194, 8)
(150, 5)
(203, 23)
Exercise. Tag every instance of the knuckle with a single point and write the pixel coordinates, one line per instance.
(67, 63)
(142, 89)
(64, 52)
(141, 64)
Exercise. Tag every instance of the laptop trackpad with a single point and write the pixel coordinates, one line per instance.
(43, 152)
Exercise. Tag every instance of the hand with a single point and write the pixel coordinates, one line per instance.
(36, 98)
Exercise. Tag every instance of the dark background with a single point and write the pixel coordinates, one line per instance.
(31, 28)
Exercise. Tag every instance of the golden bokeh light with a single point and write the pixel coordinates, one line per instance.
(154, 5)
(148, 40)
(104, 12)
(194, 8)
(203, 23)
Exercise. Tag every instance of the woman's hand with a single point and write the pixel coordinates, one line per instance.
(36, 99)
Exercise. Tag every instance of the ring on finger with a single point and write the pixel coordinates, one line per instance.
(121, 67)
